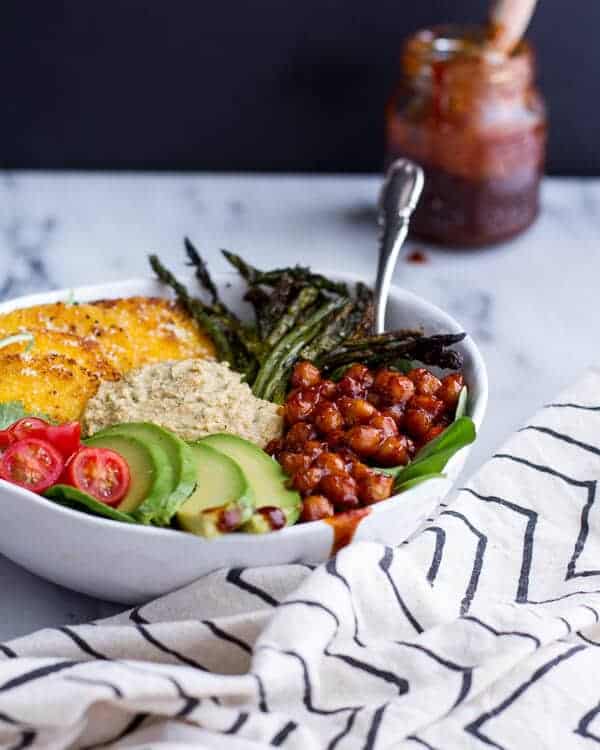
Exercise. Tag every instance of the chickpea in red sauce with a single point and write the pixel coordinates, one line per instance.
(333, 431)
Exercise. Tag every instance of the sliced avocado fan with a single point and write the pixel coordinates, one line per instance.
(264, 475)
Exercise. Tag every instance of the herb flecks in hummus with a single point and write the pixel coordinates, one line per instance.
(193, 398)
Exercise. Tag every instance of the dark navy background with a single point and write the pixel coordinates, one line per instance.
(296, 85)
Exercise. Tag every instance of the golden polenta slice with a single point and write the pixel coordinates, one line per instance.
(161, 330)
(85, 351)
(50, 384)
(130, 332)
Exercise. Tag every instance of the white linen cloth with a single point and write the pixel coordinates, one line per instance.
(480, 632)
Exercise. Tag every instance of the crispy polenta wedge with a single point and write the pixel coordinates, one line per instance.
(50, 384)
(85, 351)
(131, 332)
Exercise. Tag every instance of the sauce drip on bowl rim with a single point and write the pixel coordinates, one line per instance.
(344, 527)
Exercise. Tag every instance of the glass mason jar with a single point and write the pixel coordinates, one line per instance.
(477, 125)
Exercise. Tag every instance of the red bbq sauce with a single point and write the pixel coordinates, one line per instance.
(344, 527)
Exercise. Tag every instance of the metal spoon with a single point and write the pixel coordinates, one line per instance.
(398, 199)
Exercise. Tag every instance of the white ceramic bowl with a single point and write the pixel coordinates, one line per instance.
(132, 564)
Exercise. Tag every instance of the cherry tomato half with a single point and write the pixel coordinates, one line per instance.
(31, 463)
(66, 438)
(29, 427)
(100, 472)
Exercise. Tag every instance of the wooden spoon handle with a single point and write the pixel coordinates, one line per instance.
(508, 21)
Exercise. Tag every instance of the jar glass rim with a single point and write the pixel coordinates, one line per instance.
(464, 48)
(468, 40)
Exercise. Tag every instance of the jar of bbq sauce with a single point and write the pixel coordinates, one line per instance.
(476, 123)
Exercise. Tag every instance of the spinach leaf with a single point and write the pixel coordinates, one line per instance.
(71, 497)
(11, 411)
(409, 484)
(403, 365)
(434, 456)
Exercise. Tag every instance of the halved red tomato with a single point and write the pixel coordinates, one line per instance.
(101, 472)
(28, 427)
(66, 438)
(31, 463)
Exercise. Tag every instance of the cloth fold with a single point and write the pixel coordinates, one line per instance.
(481, 630)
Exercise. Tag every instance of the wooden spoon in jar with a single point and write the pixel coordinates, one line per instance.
(508, 21)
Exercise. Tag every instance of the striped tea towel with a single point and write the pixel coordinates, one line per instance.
(481, 632)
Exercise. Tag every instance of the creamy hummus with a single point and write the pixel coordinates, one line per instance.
(193, 398)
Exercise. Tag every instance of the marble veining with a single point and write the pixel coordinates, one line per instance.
(529, 304)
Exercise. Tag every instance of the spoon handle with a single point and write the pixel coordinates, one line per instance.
(398, 199)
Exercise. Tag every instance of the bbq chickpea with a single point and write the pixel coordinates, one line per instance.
(450, 390)
(425, 382)
(305, 481)
(399, 389)
(298, 434)
(350, 387)
(396, 412)
(361, 374)
(348, 457)
(316, 507)
(364, 440)
(432, 404)
(381, 380)
(299, 406)
(331, 463)
(327, 417)
(417, 422)
(394, 451)
(292, 463)
(327, 389)
(313, 448)
(340, 489)
(385, 423)
(375, 488)
(360, 471)
(304, 375)
(357, 411)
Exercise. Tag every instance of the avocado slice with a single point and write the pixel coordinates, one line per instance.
(222, 488)
(71, 497)
(265, 476)
(178, 454)
(259, 524)
(150, 469)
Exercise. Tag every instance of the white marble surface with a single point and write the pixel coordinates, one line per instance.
(531, 305)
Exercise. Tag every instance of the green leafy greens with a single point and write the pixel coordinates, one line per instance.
(12, 411)
(431, 460)
(71, 497)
